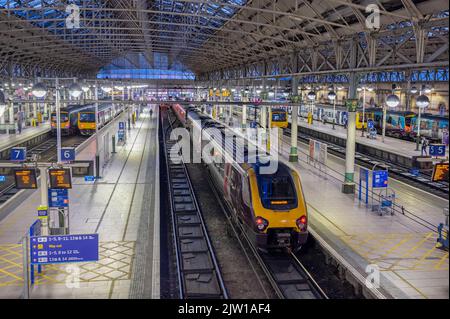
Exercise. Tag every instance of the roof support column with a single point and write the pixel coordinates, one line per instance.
(348, 187)
(293, 155)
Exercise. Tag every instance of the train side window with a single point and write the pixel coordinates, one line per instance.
(245, 191)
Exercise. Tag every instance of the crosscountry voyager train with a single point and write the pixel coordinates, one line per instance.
(270, 207)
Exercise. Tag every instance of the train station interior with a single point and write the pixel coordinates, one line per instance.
(224, 149)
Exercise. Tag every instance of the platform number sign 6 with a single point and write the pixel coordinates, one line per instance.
(67, 154)
(18, 154)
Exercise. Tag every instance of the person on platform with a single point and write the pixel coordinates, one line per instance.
(424, 146)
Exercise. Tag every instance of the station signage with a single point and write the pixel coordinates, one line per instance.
(380, 179)
(68, 154)
(58, 198)
(25, 178)
(437, 149)
(18, 154)
(60, 178)
(440, 172)
(63, 249)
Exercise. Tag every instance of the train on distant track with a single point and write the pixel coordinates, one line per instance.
(399, 124)
(270, 207)
(80, 119)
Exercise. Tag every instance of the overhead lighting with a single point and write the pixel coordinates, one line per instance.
(311, 95)
(414, 90)
(39, 90)
(422, 101)
(427, 90)
(331, 96)
(107, 89)
(85, 88)
(75, 90)
(392, 100)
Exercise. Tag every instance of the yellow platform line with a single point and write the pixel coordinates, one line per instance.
(406, 281)
(412, 249)
(438, 265)
(397, 246)
(11, 262)
(11, 274)
(428, 253)
(328, 220)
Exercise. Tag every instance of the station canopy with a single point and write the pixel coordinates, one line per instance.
(185, 38)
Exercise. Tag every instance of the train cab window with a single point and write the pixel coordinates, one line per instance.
(246, 191)
(87, 117)
(63, 116)
(279, 116)
(277, 192)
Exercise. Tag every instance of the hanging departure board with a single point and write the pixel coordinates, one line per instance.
(60, 178)
(440, 172)
(25, 178)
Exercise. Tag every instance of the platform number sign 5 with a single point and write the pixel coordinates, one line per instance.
(437, 150)
(18, 154)
(67, 154)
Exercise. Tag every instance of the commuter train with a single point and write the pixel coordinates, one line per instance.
(279, 118)
(80, 119)
(69, 119)
(325, 114)
(86, 118)
(399, 124)
(270, 206)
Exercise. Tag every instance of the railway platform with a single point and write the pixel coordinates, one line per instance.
(121, 207)
(401, 246)
(391, 145)
(9, 140)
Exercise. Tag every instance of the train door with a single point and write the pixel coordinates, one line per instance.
(236, 191)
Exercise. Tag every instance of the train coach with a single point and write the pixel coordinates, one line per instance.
(106, 112)
(270, 206)
(68, 119)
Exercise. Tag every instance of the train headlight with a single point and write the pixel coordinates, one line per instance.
(302, 223)
(261, 223)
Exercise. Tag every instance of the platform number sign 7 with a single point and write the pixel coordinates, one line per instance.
(18, 154)
(67, 154)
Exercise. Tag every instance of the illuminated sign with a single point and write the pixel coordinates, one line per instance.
(60, 178)
(25, 178)
(440, 172)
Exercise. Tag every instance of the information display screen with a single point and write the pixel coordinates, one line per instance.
(60, 178)
(440, 172)
(25, 178)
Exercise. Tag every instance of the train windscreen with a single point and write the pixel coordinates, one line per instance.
(277, 192)
(64, 117)
(87, 117)
(279, 116)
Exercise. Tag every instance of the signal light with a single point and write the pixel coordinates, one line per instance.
(302, 223)
(261, 223)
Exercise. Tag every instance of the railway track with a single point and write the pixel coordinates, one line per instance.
(46, 152)
(199, 275)
(286, 274)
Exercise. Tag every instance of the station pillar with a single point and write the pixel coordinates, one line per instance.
(293, 154)
(12, 121)
(348, 187)
(244, 115)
